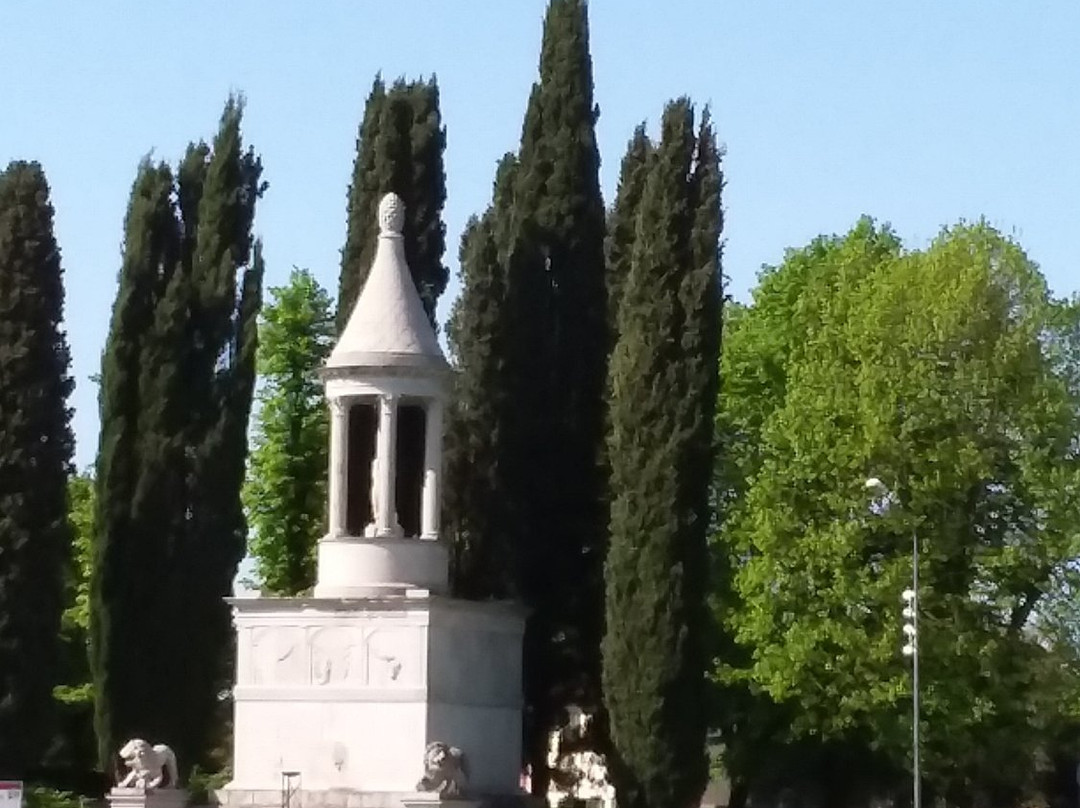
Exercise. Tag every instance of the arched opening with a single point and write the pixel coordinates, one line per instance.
(409, 485)
(363, 425)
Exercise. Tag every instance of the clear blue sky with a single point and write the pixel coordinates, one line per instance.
(918, 113)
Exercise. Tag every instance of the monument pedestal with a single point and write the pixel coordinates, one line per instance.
(147, 798)
(348, 693)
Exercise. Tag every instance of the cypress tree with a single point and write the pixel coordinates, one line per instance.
(36, 446)
(663, 381)
(399, 148)
(227, 274)
(123, 664)
(702, 301)
(525, 491)
(177, 380)
(618, 245)
(477, 335)
(556, 367)
(361, 222)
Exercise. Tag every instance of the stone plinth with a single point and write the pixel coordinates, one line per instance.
(350, 692)
(147, 798)
(362, 567)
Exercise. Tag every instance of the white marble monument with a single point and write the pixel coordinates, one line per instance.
(343, 694)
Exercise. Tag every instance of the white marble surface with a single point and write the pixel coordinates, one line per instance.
(361, 567)
(388, 356)
(147, 798)
(388, 325)
(348, 687)
(349, 693)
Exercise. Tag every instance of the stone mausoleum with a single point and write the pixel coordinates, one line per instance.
(339, 694)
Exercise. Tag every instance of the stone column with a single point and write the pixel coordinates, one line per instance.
(339, 470)
(433, 438)
(386, 523)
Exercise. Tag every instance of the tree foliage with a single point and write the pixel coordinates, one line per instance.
(399, 148)
(36, 446)
(75, 743)
(285, 493)
(530, 336)
(950, 373)
(556, 360)
(663, 382)
(81, 519)
(622, 219)
(477, 332)
(176, 387)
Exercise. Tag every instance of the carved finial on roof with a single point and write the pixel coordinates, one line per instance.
(388, 325)
(391, 215)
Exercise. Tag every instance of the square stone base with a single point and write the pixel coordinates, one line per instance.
(147, 798)
(349, 693)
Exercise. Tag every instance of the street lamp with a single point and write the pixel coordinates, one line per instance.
(910, 613)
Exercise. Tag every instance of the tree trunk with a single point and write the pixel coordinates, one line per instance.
(740, 793)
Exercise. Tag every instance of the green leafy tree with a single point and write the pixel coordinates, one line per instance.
(81, 518)
(176, 388)
(951, 374)
(663, 383)
(399, 148)
(36, 446)
(285, 492)
(75, 743)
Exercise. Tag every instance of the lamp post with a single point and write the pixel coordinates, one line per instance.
(910, 613)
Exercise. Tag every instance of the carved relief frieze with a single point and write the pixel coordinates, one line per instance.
(334, 656)
(277, 655)
(392, 658)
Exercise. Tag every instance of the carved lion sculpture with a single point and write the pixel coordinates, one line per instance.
(446, 771)
(149, 766)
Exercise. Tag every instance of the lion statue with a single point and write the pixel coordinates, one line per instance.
(446, 771)
(149, 766)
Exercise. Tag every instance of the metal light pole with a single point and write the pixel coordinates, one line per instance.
(910, 598)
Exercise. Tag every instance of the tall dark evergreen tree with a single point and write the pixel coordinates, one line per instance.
(177, 380)
(663, 382)
(477, 332)
(399, 148)
(123, 671)
(36, 446)
(622, 219)
(525, 493)
(556, 357)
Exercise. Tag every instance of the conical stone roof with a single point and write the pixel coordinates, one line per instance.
(388, 327)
